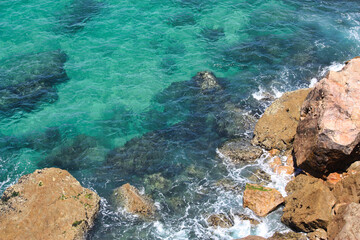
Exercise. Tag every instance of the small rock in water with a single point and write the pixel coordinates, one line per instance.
(244, 217)
(228, 185)
(130, 198)
(260, 177)
(47, 204)
(221, 220)
(262, 200)
(239, 151)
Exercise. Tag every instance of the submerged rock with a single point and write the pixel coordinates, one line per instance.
(262, 200)
(192, 101)
(29, 79)
(277, 127)
(130, 198)
(77, 153)
(221, 220)
(47, 204)
(328, 136)
(77, 14)
(239, 151)
(260, 177)
(156, 182)
(309, 204)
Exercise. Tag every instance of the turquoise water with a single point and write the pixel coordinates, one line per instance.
(123, 78)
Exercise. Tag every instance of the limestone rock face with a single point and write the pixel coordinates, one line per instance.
(346, 225)
(328, 134)
(238, 151)
(130, 198)
(277, 127)
(318, 234)
(288, 236)
(309, 205)
(262, 200)
(47, 204)
(348, 189)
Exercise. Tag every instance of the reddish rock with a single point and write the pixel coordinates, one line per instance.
(289, 160)
(333, 178)
(275, 162)
(277, 126)
(274, 152)
(328, 134)
(130, 198)
(261, 200)
(47, 204)
(284, 170)
(309, 205)
(348, 189)
(346, 225)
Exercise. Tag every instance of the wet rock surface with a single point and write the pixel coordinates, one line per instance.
(26, 80)
(129, 197)
(277, 127)
(239, 151)
(328, 135)
(47, 204)
(261, 200)
(308, 205)
(221, 220)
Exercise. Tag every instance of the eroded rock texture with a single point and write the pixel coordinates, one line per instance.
(47, 204)
(328, 134)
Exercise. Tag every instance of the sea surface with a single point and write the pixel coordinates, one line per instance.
(103, 89)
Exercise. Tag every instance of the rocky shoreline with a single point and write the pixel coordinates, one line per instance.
(311, 134)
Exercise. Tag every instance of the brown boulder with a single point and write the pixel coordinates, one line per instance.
(328, 135)
(277, 126)
(47, 204)
(288, 236)
(348, 189)
(346, 225)
(252, 238)
(130, 198)
(238, 151)
(261, 200)
(309, 205)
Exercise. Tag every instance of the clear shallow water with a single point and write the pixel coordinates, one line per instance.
(122, 58)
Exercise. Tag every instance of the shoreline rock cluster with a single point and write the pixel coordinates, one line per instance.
(322, 135)
(312, 132)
